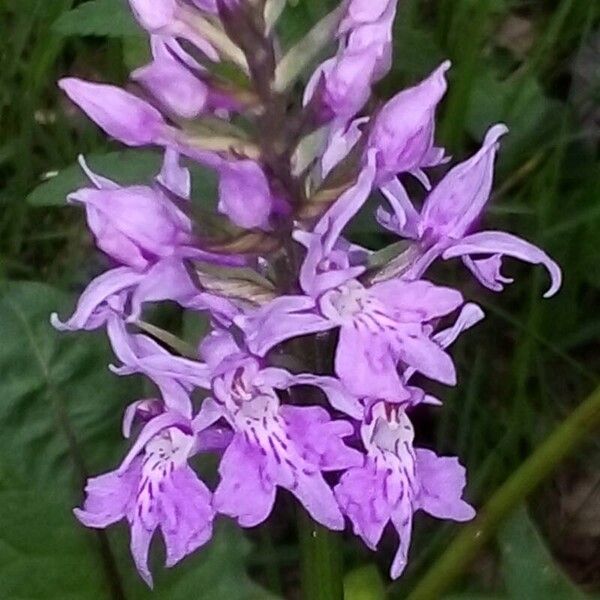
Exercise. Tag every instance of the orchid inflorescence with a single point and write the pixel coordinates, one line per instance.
(306, 379)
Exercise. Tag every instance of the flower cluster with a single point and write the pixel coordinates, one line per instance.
(282, 286)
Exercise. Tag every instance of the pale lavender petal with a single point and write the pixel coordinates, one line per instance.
(416, 301)
(347, 83)
(345, 207)
(135, 217)
(244, 194)
(209, 6)
(402, 133)
(109, 497)
(191, 524)
(321, 438)
(337, 395)
(171, 81)
(98, 180)
(173, 176)
(94, 304)
(121, 114)
(246, 491)
(426, 357)
(141, 536)
(469, 315)
(402, 519)
(366, 364)
(341, 140)
(141, 354)
(281, 320)
(154, 14)
(218, 345)
(318, 499)
(375, 36)
(176, 395)
(144, 409)
(360, 12)
(488, 271)
(458, 199)
(210, 412)
(169, 18)
(150, 430)
(360, 494)
(168, 279)
(320, 271)
(443, 480)
(405, 220)
(498, 242)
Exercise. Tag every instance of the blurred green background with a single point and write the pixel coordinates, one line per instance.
(532, 64)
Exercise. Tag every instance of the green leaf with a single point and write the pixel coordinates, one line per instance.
(102, 18)
(532, 117)
(54, 386)
(529, 569)
(298, 17)
(126, 167)
(43, 554)
(306, 50)
(364, 583)
(60, 412)
(419, 51)
(215, 572)
(136, 51)
(59, 416)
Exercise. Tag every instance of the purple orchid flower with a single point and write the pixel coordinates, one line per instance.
(379, 326)
(131, 120)
(272, 445)
(450, 211)
(244, 194)
(364, 12)
(341, 86)
(341, 139)
(173, 19)
(174, 78)
(374, 35)
(175, 376)
(154, 488)
(396, 480)
(141, 228)
(122, 115)
(402, 132)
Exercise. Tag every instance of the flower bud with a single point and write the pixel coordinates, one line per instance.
(342, 85)
(172, 78)
(363, 12)
(134, 225)
(121, 114)
(154, 14)
(458, 199)
(403, 131)
(244, 194)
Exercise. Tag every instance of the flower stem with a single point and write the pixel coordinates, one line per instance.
(467, 545)
(321, 560)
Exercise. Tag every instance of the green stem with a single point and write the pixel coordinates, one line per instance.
(321, 561)
(467, 545)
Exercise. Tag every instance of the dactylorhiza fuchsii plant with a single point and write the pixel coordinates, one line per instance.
(305, 381)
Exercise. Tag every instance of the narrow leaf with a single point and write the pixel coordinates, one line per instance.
(306, 50)
(529, 569)
(102, 18)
